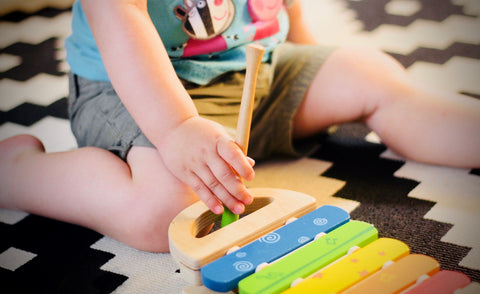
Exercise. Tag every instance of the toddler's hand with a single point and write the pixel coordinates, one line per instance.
(201, 154)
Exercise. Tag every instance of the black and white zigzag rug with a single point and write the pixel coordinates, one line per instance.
(435, 210)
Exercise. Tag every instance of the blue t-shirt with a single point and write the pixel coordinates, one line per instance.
(204, 38)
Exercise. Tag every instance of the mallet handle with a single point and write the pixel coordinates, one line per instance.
(254, 59)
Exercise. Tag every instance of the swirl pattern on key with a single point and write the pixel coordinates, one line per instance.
(243, 266)
(240, 254)
(320, 221)
(303, 239)
(270, 238)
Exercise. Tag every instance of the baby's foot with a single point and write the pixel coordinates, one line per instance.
(12, 147)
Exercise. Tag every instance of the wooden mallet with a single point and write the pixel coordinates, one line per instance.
(254, 59)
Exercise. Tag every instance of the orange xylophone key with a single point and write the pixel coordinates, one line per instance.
(397, 276)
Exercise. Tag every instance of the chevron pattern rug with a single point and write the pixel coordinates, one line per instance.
(435, 210)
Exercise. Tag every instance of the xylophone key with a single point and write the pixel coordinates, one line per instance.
(350, 270)
(441, 283)
(308, 259)
(398, 276)
(224, 273)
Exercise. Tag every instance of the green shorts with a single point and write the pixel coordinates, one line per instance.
(98, 118)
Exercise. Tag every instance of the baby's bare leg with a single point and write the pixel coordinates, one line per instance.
(423, 125)
(133, 203)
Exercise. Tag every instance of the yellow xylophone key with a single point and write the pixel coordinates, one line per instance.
(353, 268)
(397, 276)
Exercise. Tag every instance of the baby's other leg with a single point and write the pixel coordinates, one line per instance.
(133, 203)
(419, 123)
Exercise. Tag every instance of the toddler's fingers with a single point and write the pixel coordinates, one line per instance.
(230, 181)
(225, 185)
(202, 191)
(233, 155)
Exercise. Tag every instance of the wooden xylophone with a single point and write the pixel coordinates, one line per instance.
(323, 251)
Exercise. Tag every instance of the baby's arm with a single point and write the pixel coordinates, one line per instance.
(197, 151)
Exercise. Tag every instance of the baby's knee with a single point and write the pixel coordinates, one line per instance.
(150, 236)
(148, 230)
(367, 60)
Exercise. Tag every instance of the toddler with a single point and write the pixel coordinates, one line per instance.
(155, 88)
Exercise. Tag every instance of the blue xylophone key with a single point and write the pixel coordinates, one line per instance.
(224, 273)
